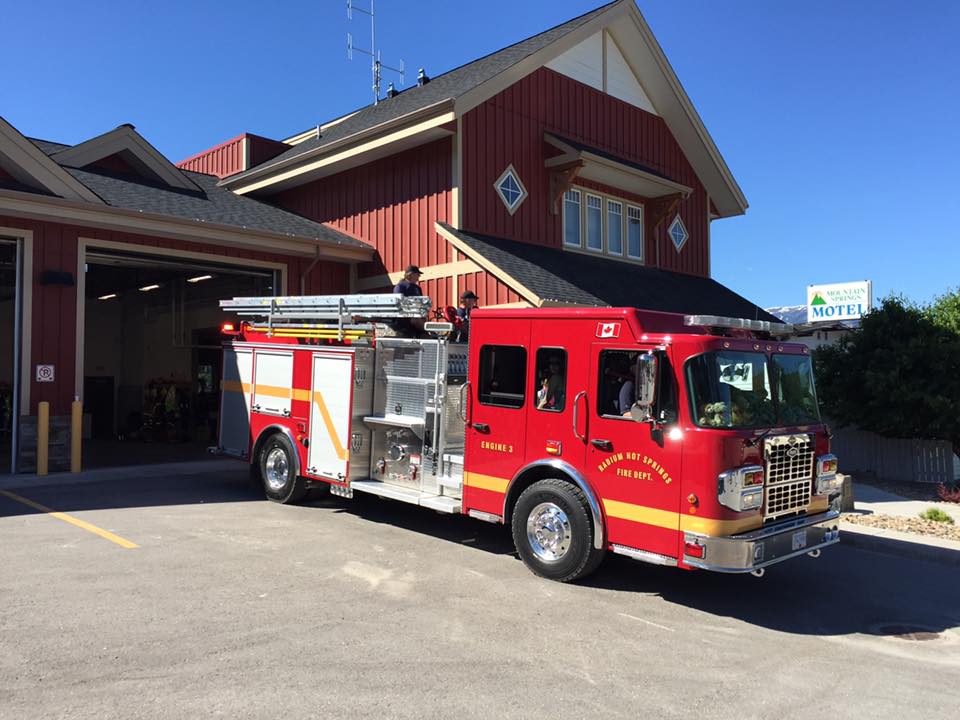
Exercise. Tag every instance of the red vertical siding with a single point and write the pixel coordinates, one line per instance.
(53, 328)
(509, 128)
(392, 204)
(228, 157)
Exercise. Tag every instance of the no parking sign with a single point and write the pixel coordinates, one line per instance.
(45, 373)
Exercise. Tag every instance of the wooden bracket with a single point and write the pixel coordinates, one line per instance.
(662, 207)
(561, 180)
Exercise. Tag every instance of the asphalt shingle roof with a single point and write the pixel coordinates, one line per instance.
(448, 86)
(562, 276)
(213, 204)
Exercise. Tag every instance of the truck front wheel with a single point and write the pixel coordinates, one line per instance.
(278, 471)
(553, 532)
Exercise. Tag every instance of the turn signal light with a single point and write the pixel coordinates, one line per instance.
(694, 549)
(826, 465)
(752, 478)
(554, 447)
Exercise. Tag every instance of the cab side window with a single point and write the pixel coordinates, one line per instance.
(551, 379)
(615, 393)
(503, 373)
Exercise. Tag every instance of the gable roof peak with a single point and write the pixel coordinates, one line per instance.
(133, 148)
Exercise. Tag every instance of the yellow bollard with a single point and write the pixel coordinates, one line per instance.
(43, 437)
(76, 426)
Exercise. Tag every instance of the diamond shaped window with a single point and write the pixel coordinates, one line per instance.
(678, 233)
(510, 189)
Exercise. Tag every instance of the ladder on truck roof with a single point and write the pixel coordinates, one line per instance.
(302, 316)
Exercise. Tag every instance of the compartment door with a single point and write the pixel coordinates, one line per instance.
(330, 399)
(235, 402)
(273, 382)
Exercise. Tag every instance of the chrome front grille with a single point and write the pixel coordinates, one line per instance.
(789, 474)
(786, 498)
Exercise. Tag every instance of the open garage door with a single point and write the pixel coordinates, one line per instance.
(152, 356)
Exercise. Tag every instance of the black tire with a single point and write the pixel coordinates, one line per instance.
(553, 500)
(278, 462)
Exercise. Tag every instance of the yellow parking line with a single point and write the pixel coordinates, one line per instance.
(105, 534)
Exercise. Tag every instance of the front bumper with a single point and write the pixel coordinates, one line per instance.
(767, 546)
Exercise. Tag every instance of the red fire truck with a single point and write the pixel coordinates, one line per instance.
(687, 441)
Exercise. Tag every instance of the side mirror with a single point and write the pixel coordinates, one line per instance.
(645, 388)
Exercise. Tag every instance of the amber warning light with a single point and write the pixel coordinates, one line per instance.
(229, 329)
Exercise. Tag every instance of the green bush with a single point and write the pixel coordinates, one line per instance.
(937, 515)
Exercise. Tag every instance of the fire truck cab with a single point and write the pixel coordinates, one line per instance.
(687, 441)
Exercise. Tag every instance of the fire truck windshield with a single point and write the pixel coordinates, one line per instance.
(732, 389)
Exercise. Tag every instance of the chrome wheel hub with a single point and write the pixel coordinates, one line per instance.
(548, 532)
(276, 469)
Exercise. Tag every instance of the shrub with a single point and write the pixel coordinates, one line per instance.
(949, 494)
(937, 515)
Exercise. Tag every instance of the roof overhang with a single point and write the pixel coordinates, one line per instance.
(51, 209)
(126, 141)
(611, 172)
(412, 130)
(675, 107)
(30, 165)
(499, 273)
(642, 53)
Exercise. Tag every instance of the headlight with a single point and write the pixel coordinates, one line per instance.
(741, 489)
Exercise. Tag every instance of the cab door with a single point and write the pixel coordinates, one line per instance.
(559, 387)
(634, 467)
(498, 406)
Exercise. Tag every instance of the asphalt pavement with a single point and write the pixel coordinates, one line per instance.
(231, 606)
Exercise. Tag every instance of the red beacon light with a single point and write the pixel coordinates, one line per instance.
(229, 328)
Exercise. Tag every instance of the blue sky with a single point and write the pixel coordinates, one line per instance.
(840, 120)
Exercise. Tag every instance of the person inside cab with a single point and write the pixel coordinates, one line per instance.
(550, 396)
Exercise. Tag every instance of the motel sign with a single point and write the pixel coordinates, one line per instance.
(840, 301)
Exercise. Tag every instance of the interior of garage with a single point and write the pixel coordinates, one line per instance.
(8, 344)
(152, 354)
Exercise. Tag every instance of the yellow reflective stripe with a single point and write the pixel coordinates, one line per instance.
(642, 514)
(485, 482)
(675, 521)
(718, 528)
(331, 429)
(303, 395)
(272, 391)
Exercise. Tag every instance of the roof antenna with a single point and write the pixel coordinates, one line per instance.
(377, 66)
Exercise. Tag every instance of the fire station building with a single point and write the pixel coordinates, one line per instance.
(568, 169)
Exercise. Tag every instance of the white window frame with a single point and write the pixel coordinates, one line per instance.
(516, 178)
(607, 202)
(686, 233)
(586, 224)
(579, 195)
(626, 207)
(626, 238)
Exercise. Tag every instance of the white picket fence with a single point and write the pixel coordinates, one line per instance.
(926, 461)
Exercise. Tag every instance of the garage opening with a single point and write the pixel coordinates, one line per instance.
(9, 347)
(152, 357)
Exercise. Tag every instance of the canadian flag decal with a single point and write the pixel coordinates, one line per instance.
(608, 330)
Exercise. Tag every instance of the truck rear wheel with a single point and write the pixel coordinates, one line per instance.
(278, 471)
(553, 531)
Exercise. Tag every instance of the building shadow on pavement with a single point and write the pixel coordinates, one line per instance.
(134, 491)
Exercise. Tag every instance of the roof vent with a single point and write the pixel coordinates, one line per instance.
(391, 91)
(422, 78)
